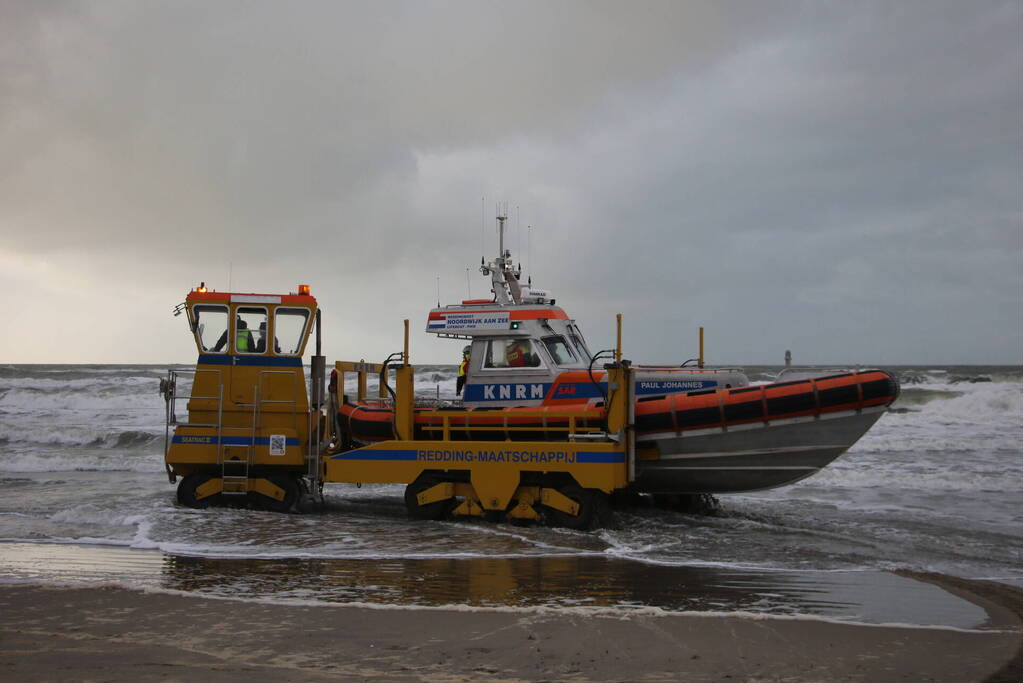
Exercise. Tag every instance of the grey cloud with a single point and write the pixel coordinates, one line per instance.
(238, 119)
(841, 179)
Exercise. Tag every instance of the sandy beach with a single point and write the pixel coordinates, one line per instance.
(110, 633)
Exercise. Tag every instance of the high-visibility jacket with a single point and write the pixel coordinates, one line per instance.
(464, 367)
(242, 341)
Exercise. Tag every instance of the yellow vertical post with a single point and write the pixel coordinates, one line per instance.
(701, 346)
(617, 392)
(404, 396)
(620, 416)
(618, 344)
(620, 406)
(615, 407)
(361, 374)
(340, 390)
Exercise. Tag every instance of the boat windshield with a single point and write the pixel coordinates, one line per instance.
(577, 340)
(559, 350)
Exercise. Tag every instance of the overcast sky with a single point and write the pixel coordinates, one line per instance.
(842, 179)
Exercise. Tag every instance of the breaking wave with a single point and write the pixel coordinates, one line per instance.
(65, 461)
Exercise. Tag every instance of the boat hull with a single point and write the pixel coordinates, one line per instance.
(749, 457)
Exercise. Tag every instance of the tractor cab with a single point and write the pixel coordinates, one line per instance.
(249, 429)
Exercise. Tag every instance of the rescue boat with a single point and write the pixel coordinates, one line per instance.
(697, 429)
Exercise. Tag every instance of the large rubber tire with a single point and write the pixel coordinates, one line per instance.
(187, 487)
(436, 510)
(594, 510)
(292, 490)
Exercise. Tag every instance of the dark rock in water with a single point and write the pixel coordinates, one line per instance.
(971, 380)
(689, 503)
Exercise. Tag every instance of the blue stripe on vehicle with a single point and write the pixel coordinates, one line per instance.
(507, 391)
(599, 457)
(376, 454)
(583, 457)
(672, 386)
(261, 361)
(206, 440)
(643, 388)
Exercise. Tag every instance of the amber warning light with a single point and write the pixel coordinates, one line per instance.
(201, 287)
(303, 289)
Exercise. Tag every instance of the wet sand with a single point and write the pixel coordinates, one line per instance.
(108, 633)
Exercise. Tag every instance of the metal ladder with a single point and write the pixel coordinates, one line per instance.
(237, 472)
(234, 471)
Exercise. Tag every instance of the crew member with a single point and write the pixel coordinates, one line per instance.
(463, 368)
(243, 341)
(518, 356)
(261, 342)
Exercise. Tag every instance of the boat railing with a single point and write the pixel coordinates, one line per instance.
(573, 428)
(694, 368)
(362, 370)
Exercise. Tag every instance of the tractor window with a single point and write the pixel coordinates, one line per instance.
(250, 330)
(210, 327)
(511, 353)
(289, 330)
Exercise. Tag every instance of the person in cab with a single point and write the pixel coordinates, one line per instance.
(518, 354)
(261, 342)
(243, 341)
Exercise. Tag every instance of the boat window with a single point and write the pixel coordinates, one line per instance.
(250, 330)
(210, 327)
(577, 340)
(511, 353)
(289, 330)
(558, 348)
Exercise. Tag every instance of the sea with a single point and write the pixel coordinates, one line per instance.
(935, 486)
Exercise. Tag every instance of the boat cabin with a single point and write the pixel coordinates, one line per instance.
(517, 352)
(525, 350)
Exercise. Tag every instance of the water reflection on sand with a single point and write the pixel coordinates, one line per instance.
(556, 582)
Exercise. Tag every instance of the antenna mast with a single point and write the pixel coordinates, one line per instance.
(503, 278)
(502, 216)
(529, 252)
